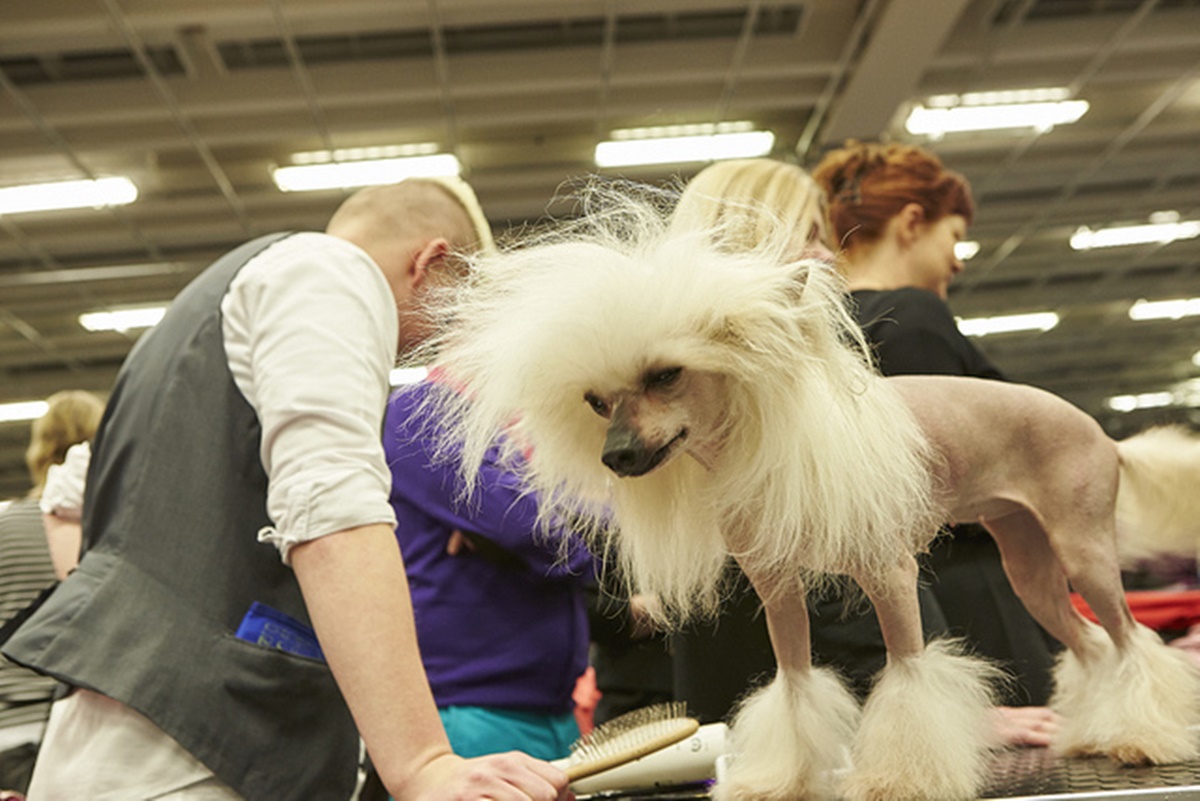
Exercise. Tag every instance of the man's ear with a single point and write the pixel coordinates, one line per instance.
(428, 256)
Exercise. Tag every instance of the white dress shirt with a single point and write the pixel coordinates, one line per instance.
(311, 332)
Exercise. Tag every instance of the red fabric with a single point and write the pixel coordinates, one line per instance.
(1159, 609)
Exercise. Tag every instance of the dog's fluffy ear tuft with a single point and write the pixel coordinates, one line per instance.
(800, 273)
(727, 333)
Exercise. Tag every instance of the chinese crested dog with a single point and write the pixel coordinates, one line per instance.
(686, 402)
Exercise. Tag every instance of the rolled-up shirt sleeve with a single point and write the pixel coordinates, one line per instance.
(63, 494)
(310, 332)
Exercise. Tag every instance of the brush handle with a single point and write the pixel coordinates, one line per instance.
(692, 759)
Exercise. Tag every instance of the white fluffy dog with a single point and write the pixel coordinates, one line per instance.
(691, 403)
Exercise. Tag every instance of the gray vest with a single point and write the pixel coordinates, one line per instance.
(176, 494)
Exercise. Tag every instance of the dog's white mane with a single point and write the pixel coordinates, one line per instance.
(823, 469)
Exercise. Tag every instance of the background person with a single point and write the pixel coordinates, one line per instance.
(897, 214)
(501, 618)
(241, 608)
(25, 570)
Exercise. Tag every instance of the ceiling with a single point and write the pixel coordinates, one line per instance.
(196, 100)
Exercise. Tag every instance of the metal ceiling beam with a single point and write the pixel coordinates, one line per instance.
(908, 36)
(138, 46)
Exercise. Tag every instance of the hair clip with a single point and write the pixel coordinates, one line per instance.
(849, 193)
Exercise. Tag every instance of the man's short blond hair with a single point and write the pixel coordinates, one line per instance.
(464, 195)
(417, 208)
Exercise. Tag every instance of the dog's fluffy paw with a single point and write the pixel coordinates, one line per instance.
(925, 732)
(788, 738)
(1135, 705)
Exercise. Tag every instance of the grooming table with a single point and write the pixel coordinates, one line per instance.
(1036, 773)
(1031, 774)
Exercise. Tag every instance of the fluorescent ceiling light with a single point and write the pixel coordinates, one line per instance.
(369, 172)
(1040, 109)
(58, 195)
(22, 410)
(682, 144)
(1185, 393)
(123, 319)
(407, 375)
(365, 153)
(965, 250)
(1163, 227)
(1003, 96)
(1007, 324)
(1144, 400)
(1173, 309)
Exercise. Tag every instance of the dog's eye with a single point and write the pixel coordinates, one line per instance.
(598, 405)
(663, 378)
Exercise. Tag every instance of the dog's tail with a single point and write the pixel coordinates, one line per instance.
(1158, 504)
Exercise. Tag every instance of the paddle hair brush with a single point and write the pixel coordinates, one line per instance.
(628, 737)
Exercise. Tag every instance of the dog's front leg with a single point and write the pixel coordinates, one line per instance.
(790, 736)
(925, 731)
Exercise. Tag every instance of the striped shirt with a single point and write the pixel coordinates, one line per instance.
(25, 570)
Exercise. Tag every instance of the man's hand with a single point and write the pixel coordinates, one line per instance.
(512, 776)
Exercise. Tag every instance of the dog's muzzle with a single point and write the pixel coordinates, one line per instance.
(626, 454)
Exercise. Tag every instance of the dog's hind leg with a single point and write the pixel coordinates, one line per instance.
(1125, 695)
(926, 729)
(790, 736)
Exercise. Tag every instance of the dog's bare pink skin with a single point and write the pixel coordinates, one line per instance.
(1011, 456)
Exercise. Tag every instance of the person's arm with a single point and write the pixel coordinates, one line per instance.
(357, 597)
(62, 506)
(64, 538)
(501, 511)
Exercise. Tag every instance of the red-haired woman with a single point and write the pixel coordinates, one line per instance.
(896, 214)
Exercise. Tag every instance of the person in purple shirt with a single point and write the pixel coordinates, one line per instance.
(501, 616)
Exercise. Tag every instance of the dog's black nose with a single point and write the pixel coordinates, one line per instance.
(624, 461)
(624, 452)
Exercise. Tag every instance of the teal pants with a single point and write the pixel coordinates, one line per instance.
(476, 731)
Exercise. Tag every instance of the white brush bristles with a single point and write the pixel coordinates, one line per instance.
(926, 728)
(789, 738)
(1136, 703)
(822, 467)
(1158, 507)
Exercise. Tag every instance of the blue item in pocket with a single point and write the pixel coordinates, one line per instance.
(263, 625)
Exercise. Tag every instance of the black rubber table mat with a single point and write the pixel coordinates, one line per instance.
(1038, 773)
(1026, 774)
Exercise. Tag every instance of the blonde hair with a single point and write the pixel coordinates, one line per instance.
(748, 200)
(465, 196)
(72, 417)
